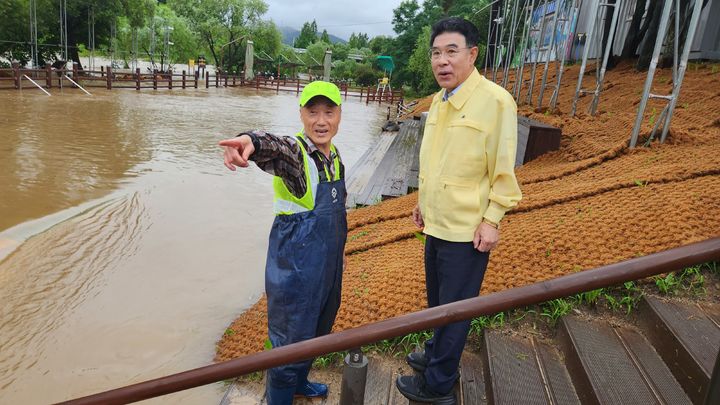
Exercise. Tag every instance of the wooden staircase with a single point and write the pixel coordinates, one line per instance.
(667, 357)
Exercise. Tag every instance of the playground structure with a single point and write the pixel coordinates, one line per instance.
(527, 33)
(387, 65)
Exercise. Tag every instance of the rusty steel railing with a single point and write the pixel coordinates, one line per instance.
(601, 277)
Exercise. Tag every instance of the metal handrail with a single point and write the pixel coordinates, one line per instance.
(601, 277)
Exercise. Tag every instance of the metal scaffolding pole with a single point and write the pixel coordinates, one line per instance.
(597, 13)
(678, 70)
(600, 72)
(521, 66)
(572, 13)
(548, 54)
(134, 53)
(63, 31)
(91, 38)
(499, 40)
(491, 27)
(515, 21)
(541, 37)
(34, 57)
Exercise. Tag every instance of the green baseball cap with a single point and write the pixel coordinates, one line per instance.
(320, 88)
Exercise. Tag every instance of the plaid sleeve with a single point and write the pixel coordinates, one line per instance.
(280, 156)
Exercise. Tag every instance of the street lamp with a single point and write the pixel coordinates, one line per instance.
(167, 47)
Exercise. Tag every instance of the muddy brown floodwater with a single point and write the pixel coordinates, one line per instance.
(126, 247)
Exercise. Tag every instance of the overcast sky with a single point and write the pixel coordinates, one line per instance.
(339, 17)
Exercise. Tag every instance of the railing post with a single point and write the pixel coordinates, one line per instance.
(170, 77)
(102, 71)
(207, 80)
(298, 87)
(217, 80)
(109, 77)
(183, 79)
(197, 74)
(155, 75)
(225, 80)
(48, 75)
(137, 78)
(354, 378)
(234, 80)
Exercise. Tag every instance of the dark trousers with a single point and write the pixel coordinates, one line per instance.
(454, 271)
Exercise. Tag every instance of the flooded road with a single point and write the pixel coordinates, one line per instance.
(126, 247)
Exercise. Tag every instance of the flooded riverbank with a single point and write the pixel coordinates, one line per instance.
(133, 246)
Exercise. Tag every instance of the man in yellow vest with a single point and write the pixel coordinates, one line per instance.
(467, 183)
(303, 272)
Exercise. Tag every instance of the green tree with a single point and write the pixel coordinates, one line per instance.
(222, 25)
(14, 34)
(382, 45)
(359, 40)
(308, 35)
(365, 75)
(340, 51)
(315, 54)
(419, 64)
(325, 37)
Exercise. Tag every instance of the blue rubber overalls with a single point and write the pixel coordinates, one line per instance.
(303, 273)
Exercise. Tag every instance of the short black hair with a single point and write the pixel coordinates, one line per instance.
(320, 100)
(459, 25)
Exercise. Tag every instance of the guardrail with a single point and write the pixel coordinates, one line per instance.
(588, 280)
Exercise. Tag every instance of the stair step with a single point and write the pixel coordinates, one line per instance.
(687, 336)
(521, 370)
(556, 374)
(605, 370)
(649, 361)
(379, 382)
(395, 397)
(472, 379)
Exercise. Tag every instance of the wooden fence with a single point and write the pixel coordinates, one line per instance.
(49, 77)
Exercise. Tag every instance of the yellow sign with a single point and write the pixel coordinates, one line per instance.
(191, 63)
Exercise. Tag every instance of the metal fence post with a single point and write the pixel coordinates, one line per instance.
(354, 378)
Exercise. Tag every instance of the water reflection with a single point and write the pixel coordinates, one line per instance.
(167, 249)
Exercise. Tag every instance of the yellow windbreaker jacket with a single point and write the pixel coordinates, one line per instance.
(467, 160)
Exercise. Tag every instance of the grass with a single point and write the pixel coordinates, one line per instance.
(622, 298)
(690, 280)
(357, 235)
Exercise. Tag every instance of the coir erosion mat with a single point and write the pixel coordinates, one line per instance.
(591, 203)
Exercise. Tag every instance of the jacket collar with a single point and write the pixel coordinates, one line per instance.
(467, 88)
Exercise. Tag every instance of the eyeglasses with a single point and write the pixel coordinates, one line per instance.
(450, 53)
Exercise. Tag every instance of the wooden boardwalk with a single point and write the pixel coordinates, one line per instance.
(385, 169)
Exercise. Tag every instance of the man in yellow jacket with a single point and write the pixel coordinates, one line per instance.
(467, 183)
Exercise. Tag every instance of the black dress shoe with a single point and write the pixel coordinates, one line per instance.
(417, 361)
(413, 387)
